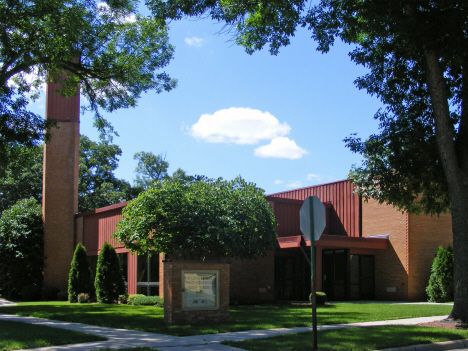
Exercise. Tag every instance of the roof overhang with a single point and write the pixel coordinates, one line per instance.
(335, 241)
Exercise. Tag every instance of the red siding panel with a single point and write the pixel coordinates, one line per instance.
(344, 213)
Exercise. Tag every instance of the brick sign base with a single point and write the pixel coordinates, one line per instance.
(173, 313)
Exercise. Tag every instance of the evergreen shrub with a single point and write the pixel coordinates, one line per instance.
(123, 299)
(80, 280)
(441, 285)
(109, 282)
(21, 247)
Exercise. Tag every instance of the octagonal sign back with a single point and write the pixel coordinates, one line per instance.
(312, 218)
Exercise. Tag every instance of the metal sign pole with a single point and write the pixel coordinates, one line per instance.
(313, 222)
(314, 295)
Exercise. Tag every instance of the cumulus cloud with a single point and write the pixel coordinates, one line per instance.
(279, 181)
(281, 147)
(194, 41)
(239, 126)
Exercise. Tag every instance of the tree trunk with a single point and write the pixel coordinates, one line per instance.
(457, 180)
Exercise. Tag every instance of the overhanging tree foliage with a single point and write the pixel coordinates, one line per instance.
(108, 51)
(417, 54)
(199, 219)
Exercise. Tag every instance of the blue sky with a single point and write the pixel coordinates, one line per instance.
(277, 121)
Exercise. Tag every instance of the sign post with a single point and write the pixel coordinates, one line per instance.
(313, 222)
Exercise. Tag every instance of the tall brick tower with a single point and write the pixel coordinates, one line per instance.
(60, 186)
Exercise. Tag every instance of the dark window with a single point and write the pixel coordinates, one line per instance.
(148, 274)
(124, 264)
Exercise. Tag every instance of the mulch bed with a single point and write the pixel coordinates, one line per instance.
(446, 324)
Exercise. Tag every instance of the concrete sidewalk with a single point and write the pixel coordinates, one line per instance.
(120, 338)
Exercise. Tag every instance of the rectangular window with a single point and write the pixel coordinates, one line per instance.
(148, 274)
(124, 265)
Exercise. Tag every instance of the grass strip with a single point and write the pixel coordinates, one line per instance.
(17, 335)
(353, 339)
(151, 319)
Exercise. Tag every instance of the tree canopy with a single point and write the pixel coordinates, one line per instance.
(150, 168)
(97, 184)
(199, 219)
(109, 52)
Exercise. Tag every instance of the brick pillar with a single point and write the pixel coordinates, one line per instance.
(60, 186)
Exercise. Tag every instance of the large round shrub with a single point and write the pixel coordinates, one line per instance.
(109, 282)
(441, 288)
(200, 219)
(80, 280)
(21, 247)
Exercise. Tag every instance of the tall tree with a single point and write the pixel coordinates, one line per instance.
(97, 184)
(417, 54)
(150, 168)
(109, 52)
(21, 178)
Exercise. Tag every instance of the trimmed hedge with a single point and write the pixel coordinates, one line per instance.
(142, 300)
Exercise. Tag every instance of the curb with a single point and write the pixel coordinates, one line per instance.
(438, 346)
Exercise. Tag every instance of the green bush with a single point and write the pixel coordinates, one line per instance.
(320, 298)
(148, 301)
(21, 247)
(132, 297)
(49, 293)
(31, 293)
(109, 282)
(62, 296)
(83, 298)
(441, 288)
(80, 280)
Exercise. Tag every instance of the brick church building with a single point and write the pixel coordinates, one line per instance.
(367, 250)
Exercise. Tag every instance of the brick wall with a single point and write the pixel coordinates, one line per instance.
(60, 187)
(426, 234)
(173, 312)
(391, 265)
(253, 280)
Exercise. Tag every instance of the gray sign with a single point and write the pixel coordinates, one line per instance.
(312, 218)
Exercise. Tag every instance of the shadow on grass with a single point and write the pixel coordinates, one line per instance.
(354, 339)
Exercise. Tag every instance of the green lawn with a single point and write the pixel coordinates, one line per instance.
(353, 339)
(16, 335)
(151, 319)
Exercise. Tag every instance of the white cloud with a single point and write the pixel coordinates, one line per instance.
(279, 181)
(314, 177)
(281, 148)
(294, 184)
(238, 125)
(194, 41)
